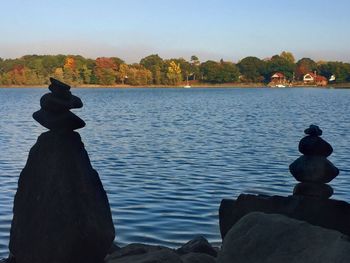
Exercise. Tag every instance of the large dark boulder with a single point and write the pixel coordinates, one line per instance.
(61, 211)
(327, 213)
(271, 238)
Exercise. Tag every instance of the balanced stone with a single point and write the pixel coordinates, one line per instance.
(51, 102)
(58, 121)
(58, 86)
(313, 190)
(315, 169)
(313, 130)
(314, 145)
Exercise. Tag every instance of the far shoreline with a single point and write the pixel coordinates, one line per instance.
(203, 85)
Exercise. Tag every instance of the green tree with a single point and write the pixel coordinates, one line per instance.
(194, 67)
(156, 65)
(340, 70)
(279, 64)
(222, 72)
(252, 69)
(288, 56)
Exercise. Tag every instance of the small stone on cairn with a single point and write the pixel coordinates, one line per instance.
(313, 169)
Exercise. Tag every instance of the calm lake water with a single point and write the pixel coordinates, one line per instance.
(168, 156)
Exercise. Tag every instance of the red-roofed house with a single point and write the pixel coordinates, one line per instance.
(278, 78)
(312, 78)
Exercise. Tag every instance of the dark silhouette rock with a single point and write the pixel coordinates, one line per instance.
(315, 169)
(61, 211)
(314, 145)
(313, 190)
(327, 213)
(198, 245)
(264, 238)
(139, 253)
(197, 258)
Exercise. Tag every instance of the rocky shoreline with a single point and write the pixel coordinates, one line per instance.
(62, 214)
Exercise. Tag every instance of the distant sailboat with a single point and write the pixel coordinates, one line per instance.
(187, 86)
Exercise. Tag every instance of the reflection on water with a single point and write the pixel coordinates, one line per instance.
(168, 156)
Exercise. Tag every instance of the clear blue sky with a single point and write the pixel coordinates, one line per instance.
(210, 29)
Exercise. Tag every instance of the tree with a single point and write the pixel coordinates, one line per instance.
(288, 56)
(59, 74)
(105, 71)
(174, 73)
(340, 70)
(123, 73)
(69, 70)
(222, 72)
(252, 69)
(194, 67)
(138, 75)
(155, 64)
(186, 69)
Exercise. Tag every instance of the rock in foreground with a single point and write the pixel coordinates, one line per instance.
(259, 237)
(327, 213)
(197, 250)
(61, 211)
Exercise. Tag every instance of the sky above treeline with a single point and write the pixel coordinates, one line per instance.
(209, 29)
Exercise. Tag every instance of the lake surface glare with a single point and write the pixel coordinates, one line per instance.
(167, 156)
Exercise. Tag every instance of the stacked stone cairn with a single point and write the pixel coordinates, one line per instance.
(61, 212)
(313, 170)
(54, 113)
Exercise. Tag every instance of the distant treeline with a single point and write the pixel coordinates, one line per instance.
(77, 70)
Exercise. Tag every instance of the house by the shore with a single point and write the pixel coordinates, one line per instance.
(277, 78)
(314, 79)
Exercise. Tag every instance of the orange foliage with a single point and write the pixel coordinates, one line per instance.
(69, 63)
(106, 63)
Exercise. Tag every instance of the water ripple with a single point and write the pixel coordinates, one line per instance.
(168, 156)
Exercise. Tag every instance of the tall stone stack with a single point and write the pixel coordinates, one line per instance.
(61, 211)
(313, 170)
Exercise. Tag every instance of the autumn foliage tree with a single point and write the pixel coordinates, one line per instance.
(106, 71)
(77, 70)
(174, 73)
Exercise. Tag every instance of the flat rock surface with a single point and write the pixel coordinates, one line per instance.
(263, 238)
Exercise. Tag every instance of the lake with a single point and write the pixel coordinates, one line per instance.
(168, 156)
